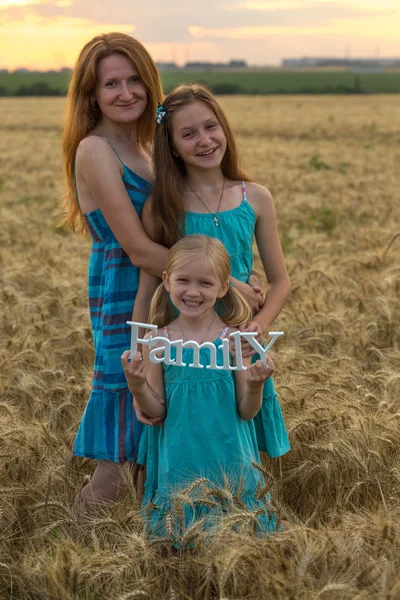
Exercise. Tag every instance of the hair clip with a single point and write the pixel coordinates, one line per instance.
(161, 113)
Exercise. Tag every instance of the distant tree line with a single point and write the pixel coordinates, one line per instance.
(39, 88)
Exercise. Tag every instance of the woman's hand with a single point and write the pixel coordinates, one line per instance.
(258, 373)
(254, 299)
(145, 419)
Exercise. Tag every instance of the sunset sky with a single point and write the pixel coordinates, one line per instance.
(48, 34)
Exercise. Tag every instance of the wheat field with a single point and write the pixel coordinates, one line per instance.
(332, 165)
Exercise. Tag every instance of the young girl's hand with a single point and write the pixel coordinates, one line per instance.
(257, 373)
(135, 371)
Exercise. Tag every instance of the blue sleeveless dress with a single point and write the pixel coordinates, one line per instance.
(109, 429)
(236, 231)
(203, 436)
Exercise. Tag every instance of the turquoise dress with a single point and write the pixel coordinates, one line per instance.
(204, 437)
(236, 231)
(109, 429)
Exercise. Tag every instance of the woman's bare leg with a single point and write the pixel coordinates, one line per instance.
(106, 485)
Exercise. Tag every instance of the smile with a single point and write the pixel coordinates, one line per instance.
(192, 303)
(208, 153)
(131, 105)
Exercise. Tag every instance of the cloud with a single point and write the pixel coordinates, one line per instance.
(259, 31)
(7, 4)
(40, 43)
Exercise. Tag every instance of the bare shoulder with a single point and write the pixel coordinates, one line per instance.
(95, 151)
(260, 198)
(258, 193)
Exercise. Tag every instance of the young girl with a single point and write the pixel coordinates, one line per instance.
(200, 188)
(208, 431)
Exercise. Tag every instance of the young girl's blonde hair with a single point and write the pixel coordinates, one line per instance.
(232, 308)
(169, 169)
(81, 116)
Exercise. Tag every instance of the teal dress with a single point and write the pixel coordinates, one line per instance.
(236, 231)
(204, 437)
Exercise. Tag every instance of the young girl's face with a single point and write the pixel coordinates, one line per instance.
(194, 288)
(197, 136)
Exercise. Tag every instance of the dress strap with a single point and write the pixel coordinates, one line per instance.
(244, 190)
(224, 332)
(112, 148)
(165, 332)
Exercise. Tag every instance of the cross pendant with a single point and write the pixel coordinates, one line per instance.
(216, 221)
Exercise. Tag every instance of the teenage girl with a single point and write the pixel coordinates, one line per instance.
(199, 187)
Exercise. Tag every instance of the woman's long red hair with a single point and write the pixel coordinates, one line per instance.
(80, 117)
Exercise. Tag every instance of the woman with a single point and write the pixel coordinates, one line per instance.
(109, 127)
(108, 130)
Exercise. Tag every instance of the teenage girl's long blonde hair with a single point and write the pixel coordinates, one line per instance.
(81, 117)
(232, 308)
(169, 169)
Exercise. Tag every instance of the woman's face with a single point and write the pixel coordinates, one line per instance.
(197, 136)
(120, 93)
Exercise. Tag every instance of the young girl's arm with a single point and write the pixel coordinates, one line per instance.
(272, 259)
(249, 387)
(100, 172)
(145, 379)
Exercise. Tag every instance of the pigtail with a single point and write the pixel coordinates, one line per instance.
(160, 312)
(233, 308)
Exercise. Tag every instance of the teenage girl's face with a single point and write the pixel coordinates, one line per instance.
(119, 92)
(197, 136)
(194, 288)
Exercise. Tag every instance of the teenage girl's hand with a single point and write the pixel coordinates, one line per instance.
(254, 299)
(254, 282)
(247, 349)
(135, 371)
(257, 373)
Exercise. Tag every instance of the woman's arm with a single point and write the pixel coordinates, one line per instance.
(148, 282)
(101, 173)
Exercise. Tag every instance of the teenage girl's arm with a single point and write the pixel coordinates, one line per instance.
(270, 251)
(101, 173)
(249, 387)
(145, 379)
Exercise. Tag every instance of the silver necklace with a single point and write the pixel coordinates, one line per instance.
(204, 336)
(215, 218)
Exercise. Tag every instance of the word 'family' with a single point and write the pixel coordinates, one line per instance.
(164, 344)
